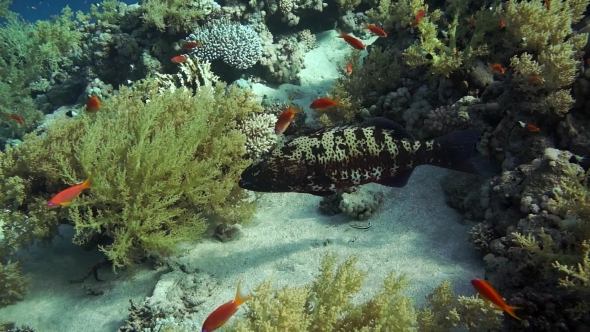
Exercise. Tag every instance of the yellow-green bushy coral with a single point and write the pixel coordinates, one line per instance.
(552, 51)
(325, 305)
(444, 312)
(29, 52)
(447, 42)
(13, 285)
(175, 15)
(160, 163)
(577, 276)
(390, 13)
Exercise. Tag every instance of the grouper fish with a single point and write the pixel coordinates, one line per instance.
(378, 150)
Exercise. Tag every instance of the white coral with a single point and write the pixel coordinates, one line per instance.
(260, 134)
(193, 74)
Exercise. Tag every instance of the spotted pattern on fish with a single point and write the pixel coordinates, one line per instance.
(341, 157)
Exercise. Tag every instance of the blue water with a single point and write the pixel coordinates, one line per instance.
(33, 10)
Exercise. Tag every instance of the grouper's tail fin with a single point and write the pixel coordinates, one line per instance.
(454, 151)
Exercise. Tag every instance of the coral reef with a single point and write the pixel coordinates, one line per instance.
(284, 59)
(534, 234)
(165, 151)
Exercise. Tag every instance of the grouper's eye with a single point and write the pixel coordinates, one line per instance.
(262, 164)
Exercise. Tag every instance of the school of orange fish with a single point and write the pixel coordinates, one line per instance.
(224, 312)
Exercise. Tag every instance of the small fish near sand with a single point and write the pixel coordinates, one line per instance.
(378, 150)
(377, 31)
(224, 312)
(488, 293)
(322, 104)
(352, 41)
(286, 117)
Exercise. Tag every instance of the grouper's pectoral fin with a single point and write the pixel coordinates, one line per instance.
(399, 180)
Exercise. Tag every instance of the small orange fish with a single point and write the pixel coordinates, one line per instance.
(65, 197)
(530, 127)
(471, 20)
(502, 23)
(178, 59)
(322, 104)
(419, 16)
(488, 293)
(377, 31)
(497, 68)
(547, 4)
(355, 43)
(285, 119)
(190, 45)
(93, 104)
(348, 68)
(224, 312)
(16, 117)
(536, 79)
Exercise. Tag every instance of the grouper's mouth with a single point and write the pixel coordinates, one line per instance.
(245, 184)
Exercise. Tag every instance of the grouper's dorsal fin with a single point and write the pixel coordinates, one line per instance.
(397, 130)
(324, 130)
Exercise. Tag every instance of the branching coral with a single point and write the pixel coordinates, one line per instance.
(552, 50)
(160, 163)
(175, 15)
(13, 285)
(325, 305)
(451, 49)
(577, 276)
(30, 52)
(237, 45)
(444, 312)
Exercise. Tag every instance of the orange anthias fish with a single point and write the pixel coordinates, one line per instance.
(190, 45)
(355, 43)
(419, 16)
(348, 68)
(322, 104)
(93, 104)
(178, 59)
(529, 127)
(488, 293)
(16, 117)
(222, 314)
(377, 31)
(285, 119)
(497, 68)
(65, 197)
